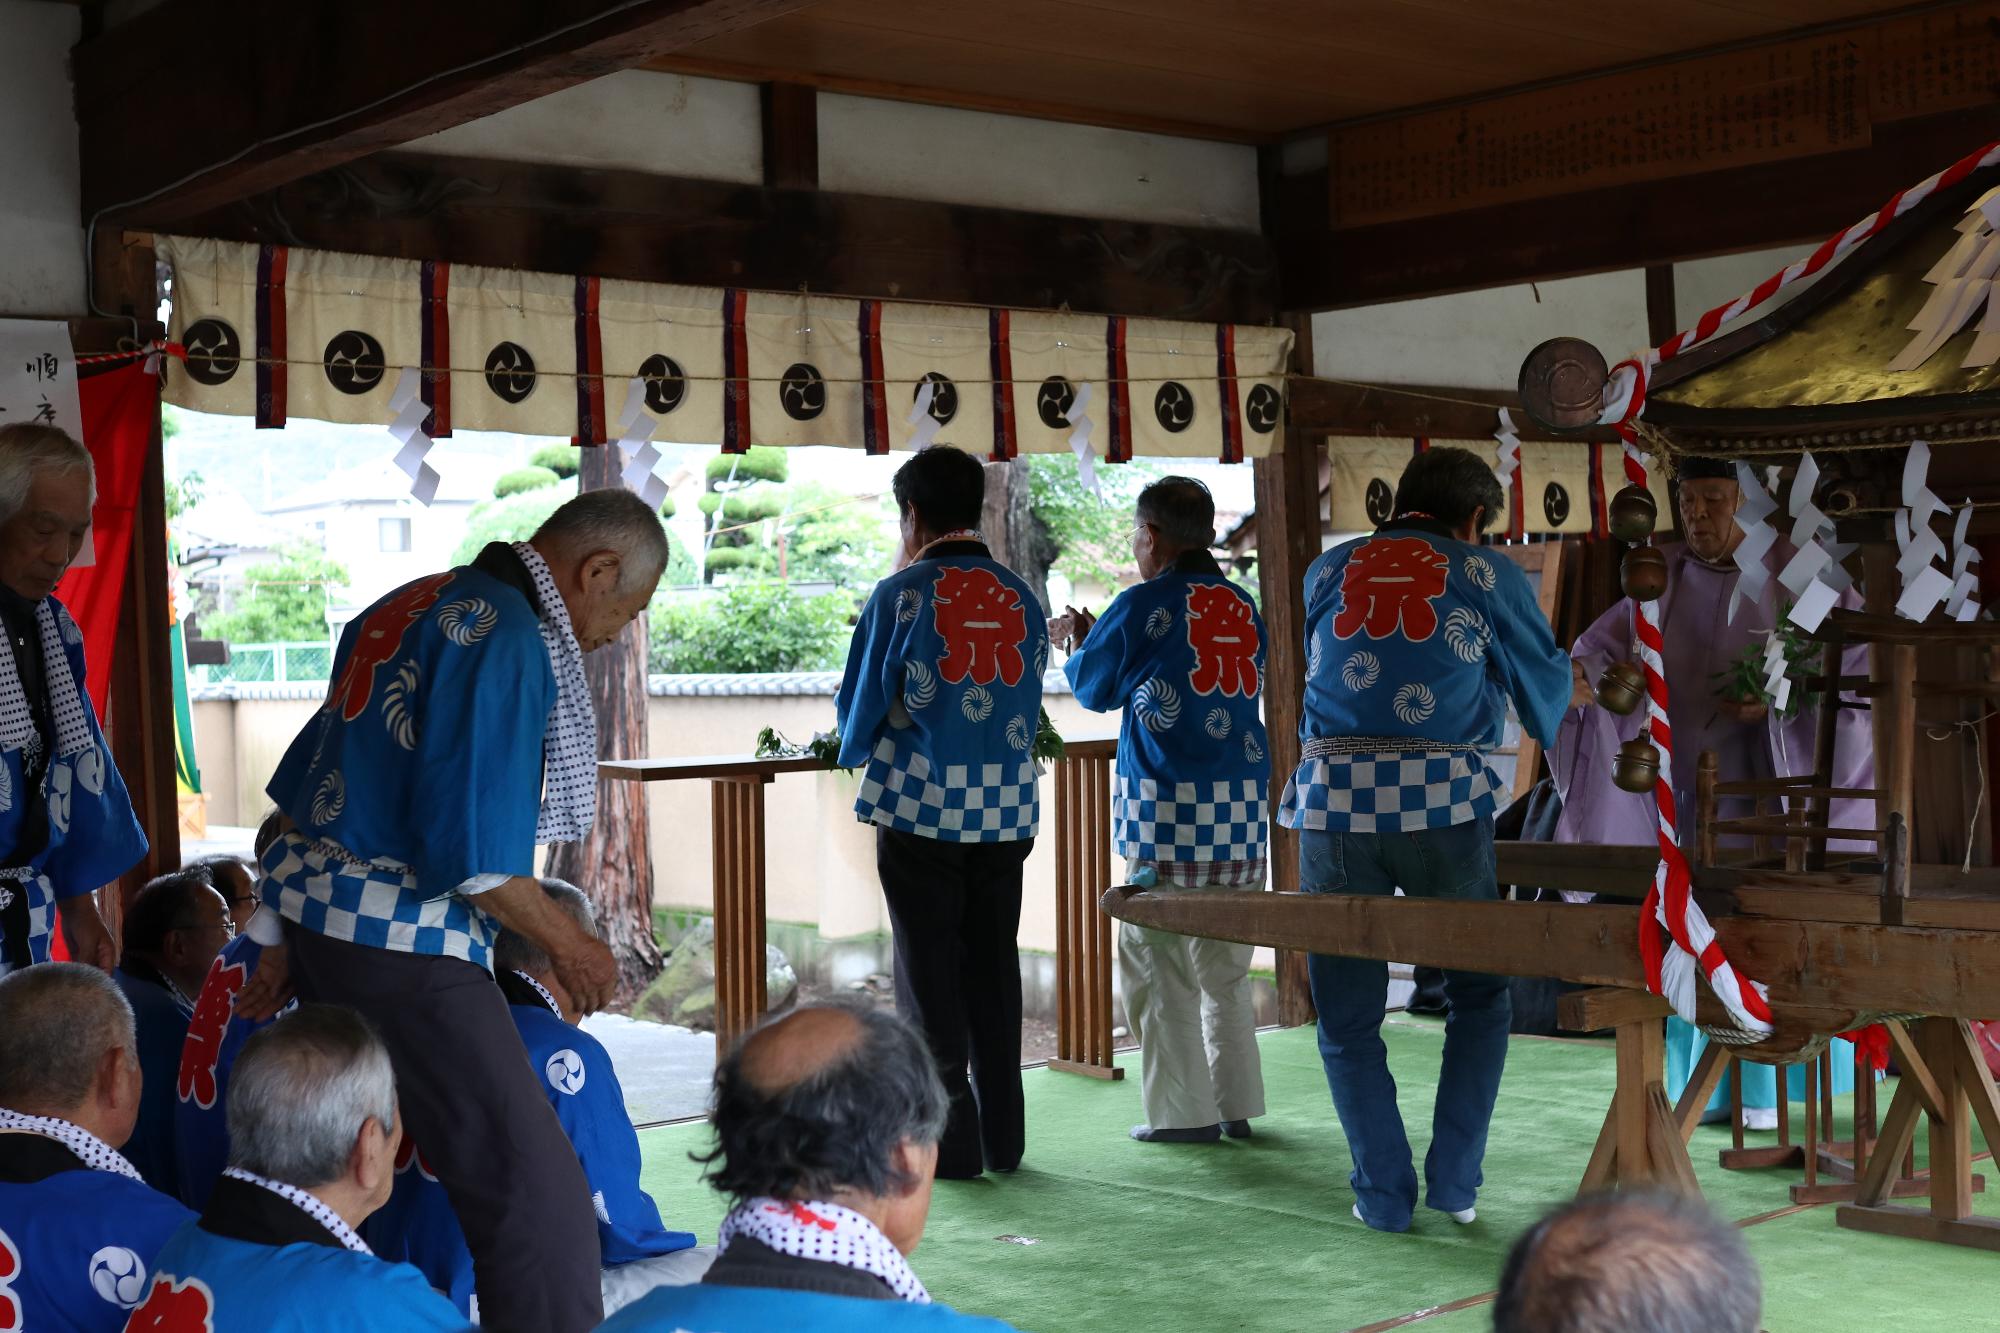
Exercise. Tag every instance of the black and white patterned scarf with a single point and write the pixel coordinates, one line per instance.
(92, 1151)
(569, 746)
(307, 1204)
(76, 754)
(541, 991)
(828, 1233)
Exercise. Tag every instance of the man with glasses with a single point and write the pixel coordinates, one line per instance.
(173, 931)
(233, 879)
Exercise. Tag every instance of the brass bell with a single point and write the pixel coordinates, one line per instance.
(1633, 514)
(1643, 573)
(1637, 769)
(1622, 688)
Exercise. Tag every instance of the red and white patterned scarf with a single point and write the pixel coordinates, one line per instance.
(828, 1233)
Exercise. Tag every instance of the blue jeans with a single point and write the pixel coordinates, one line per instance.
(1350, 994)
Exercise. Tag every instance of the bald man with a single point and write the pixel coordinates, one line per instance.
(827, 1124)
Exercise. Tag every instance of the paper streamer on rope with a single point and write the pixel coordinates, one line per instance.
(1961, 605)
(1079, 439)
(635, 444)
(408, 427)
(1753, 513)
(1924, 585)
(925, 426)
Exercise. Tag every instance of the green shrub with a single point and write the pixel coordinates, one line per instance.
(562, 459)
(762, 463)
(524, 479)
(752, 627)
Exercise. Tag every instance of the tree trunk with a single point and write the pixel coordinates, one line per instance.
(614, 865)
(1017, 536)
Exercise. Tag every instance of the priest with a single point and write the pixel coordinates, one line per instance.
(1712, 708)
(66, 823)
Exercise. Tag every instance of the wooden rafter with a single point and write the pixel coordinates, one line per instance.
(627, 224)
(257, 94)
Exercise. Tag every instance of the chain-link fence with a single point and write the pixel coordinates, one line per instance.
(270, 663)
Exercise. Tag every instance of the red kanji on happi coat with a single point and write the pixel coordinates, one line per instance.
(983, 625)
(1388, 587)
(10, 1303)
(203, 1048)
(379, 639)
(1222, 630)
(175, 1306)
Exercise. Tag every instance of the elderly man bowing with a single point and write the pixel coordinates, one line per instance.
(1709, 714)
(66, 824)
(457, 734)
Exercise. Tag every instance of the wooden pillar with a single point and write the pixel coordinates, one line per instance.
(1083, 930)
(791, 136)
(737, 812)
(1288, 540)
(1661, 319)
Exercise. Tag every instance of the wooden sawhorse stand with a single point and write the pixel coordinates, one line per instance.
(1945, 1079)
(1644, 1140)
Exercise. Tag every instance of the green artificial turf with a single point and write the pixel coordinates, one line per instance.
(1258, 1234)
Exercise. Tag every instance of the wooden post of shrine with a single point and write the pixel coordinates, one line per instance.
(1288, 540)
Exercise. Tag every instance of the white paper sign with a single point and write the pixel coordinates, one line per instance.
(38, 374)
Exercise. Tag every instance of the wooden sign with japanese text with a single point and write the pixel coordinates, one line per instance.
(1728, 110)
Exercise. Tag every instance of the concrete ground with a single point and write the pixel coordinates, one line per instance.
(664, 1070)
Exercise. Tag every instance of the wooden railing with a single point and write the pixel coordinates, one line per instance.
(1079, 820)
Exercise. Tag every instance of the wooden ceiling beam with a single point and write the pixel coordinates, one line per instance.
(196, 103)
(626, 224)
(1405, 411)
(1796, 202)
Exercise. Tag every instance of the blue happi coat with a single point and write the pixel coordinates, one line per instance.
(240, 1287)
(215, 1037)
(1412, 635)
(705, 1308)
(1183, 655)
(418, 1226)
(941, 699)
(86, 834)
(425, 763)
(75, 1248)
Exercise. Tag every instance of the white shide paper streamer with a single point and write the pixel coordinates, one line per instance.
(408, 427)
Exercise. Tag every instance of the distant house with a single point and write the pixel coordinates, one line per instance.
(365, 518)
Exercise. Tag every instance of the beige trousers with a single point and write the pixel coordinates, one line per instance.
(1187, 1000)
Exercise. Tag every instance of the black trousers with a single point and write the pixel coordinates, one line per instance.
(956, 908)
(471, 1102)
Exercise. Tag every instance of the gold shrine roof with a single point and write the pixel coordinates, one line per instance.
(1821, 363)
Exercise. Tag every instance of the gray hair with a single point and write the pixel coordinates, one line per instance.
(1627, 1263)
(515, 952)
(612, 520)
(837, 1128)
(27, 449)
(56, 1022)
(1182, 509)
(301, 1092)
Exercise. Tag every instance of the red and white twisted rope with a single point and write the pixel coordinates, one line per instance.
(1675, 938)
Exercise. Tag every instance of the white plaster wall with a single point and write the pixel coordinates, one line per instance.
(1702, 284)
(820, 861)
(1476, 340)
(907, 151)
(41, 236)
(635, 120)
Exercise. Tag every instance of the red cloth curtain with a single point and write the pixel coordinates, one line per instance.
(119, 410)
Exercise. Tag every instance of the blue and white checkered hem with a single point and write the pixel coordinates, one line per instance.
(41, 896)
(973, 802)
(377, 903)
(1190, 821)
(1389, 793)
